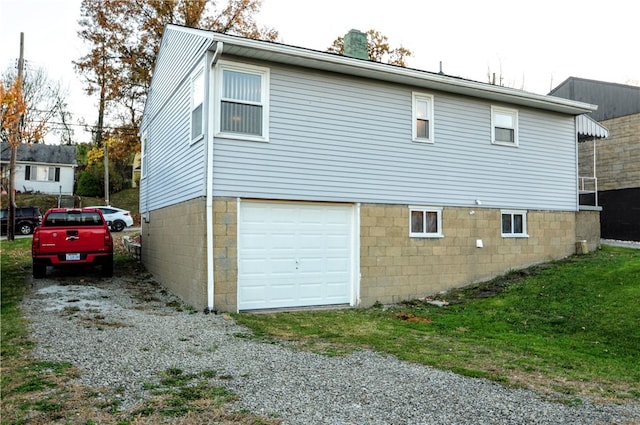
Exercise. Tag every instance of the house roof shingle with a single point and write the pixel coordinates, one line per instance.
(41, 153)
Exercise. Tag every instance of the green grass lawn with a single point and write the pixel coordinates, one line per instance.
(571, 327)
(128, 199)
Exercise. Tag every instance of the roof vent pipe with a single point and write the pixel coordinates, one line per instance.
(355, 45)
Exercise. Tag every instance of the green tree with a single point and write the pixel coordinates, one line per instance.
(379, 49)
(91, 181)
(88, 185)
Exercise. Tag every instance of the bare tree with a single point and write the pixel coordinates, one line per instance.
(45, 101)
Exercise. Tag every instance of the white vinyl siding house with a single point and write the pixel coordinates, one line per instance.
(325, 180)
(41, 168)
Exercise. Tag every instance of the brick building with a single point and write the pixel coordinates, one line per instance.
(617, 158)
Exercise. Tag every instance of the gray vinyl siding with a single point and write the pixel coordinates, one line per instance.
(174, 168)
(175, 171)
(336, 138)
(180, 53)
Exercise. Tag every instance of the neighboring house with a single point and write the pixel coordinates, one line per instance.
(275, 176)
(41, 168)
(617, 158)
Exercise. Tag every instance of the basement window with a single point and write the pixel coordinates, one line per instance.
(425, 222)
(514, 224)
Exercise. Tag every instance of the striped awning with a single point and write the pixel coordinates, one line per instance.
(588, 128)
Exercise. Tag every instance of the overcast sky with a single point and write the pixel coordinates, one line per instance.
(535, 45)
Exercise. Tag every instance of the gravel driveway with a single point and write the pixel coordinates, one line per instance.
(120, 333)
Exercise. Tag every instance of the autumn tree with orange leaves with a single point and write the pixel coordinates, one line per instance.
(15, 130)
(124, 39)
(12, 109)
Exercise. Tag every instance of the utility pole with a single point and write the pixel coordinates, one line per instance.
(106, 172)
(11, 219)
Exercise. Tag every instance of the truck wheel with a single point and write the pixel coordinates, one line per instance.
(25, 229)
(107, 268)
(39, 270)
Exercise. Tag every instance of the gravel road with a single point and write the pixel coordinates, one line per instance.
(120, 333)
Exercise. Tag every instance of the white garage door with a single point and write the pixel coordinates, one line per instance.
(294, 255)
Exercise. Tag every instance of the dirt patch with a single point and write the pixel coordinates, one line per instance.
(410, 317)
(490, 288)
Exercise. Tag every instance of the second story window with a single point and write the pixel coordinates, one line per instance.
(143, 155)
(197, 106)
(422, 117)
(504, 126)
(243, 101)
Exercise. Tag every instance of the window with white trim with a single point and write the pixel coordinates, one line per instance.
(504, 126)
(143, 155)
(41, 173)
(425, 222)
(197, 106)
(243, 94)
(514, 224)
(422, 114)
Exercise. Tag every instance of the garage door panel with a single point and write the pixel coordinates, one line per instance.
(280, 239)
(313, 241)
(253, 291)
(335, 292)
(337, 265)
(282, 267)
(283, 291)
(299, 254)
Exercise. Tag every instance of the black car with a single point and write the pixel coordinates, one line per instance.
(27, 219)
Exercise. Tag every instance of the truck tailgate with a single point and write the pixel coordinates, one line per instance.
(72, 240)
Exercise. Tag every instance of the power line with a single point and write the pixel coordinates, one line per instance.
(88, 127)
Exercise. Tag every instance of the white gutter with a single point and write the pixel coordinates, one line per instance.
(209, 182)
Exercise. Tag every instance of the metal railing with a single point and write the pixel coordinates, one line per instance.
(587, 185)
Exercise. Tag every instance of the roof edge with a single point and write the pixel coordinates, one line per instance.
(316, 59)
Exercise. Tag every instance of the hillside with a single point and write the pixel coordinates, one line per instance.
(127, 199)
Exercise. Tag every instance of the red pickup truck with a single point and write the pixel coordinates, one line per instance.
(72, 236)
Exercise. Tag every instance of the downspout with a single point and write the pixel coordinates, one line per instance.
(577, 163)
(595, 176)
(209, 183)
